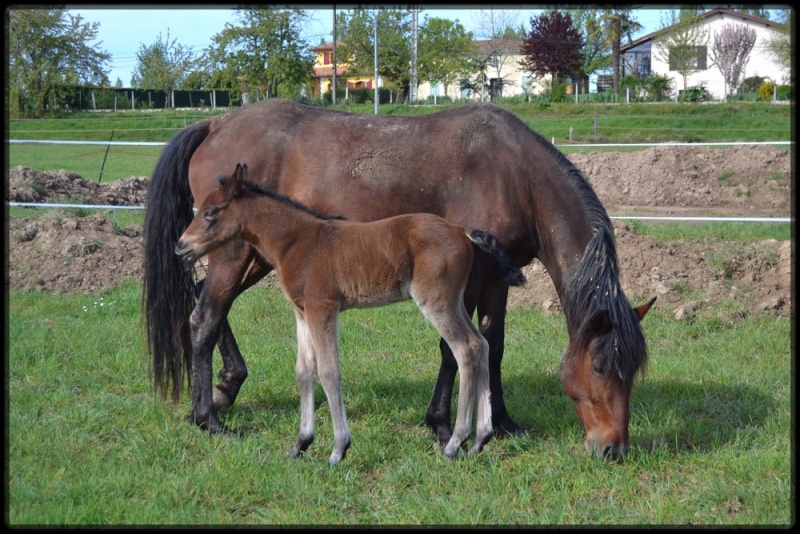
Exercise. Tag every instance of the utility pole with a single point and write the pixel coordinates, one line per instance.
(375, 39)
(412, 90)
(333, 58)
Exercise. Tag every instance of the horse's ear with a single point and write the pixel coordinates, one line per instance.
(600, 323)
(643, 309)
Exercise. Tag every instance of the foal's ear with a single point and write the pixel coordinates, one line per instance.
(643, 309)
(234, 183)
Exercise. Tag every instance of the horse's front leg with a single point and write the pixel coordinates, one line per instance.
(492, 321)
(220, 288)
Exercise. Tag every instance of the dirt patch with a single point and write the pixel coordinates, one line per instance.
(88, 254)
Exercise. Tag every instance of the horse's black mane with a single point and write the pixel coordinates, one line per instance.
(258, 189)
(593, 285)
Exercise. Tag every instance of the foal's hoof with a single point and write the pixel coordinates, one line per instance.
(451, 451)
(220, 399)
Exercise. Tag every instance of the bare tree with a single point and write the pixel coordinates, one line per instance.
(491, 27)
(683, 45)
(730, 52)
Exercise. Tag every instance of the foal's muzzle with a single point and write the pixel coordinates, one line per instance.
(189, 256)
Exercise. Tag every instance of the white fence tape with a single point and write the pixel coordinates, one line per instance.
(637, 217)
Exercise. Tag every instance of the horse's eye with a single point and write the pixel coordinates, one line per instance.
(599, 370)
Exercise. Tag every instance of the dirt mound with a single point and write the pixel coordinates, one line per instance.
(58, 253)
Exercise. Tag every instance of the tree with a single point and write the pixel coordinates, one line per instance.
(48, 49)
(162, 66)
(596, 54)
(780, 44)
(683, 43)
(394, 44)
(553, 46)
(498, 42)
(264, 52)
(443, 46)
(730, 52)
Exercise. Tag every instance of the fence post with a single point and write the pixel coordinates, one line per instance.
(103, 166)
(596, 128)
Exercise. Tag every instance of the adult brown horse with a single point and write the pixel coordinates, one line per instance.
(477, 165)
(326, 266)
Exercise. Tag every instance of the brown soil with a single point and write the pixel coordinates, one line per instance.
(88, 254)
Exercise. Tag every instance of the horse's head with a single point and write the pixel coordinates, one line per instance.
(210, 228)
(594, 373)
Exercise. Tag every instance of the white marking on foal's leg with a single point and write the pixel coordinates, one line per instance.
(306, 372)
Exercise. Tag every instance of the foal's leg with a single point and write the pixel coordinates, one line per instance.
(452, 322)
(220, 288)
(437, 416)
(483, 416)
(234, 371)
(323, 325)
(306, 372)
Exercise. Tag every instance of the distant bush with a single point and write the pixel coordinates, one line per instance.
(765, 90)
(751, 84)
(784, 92)
(695, 94)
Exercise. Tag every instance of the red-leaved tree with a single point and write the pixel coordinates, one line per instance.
(553, 46)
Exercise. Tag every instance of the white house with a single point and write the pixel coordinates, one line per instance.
(641, 57)
(503, 75)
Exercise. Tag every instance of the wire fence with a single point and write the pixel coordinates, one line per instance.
(570, 145)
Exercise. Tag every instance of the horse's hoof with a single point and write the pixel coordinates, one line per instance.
(507, 428)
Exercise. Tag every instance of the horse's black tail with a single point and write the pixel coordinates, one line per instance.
(488, 243)
(168, 294)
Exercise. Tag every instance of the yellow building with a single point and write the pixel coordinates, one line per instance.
(323, 72)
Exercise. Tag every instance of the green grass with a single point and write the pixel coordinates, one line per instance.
(90, 444)
(635, 123)
(742, 232)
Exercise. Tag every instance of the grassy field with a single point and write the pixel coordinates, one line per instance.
(639, 123)
(90, 444)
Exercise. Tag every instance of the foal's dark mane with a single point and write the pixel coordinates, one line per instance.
(260, 190)
(593, 285)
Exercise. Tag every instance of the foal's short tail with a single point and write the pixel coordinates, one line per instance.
(488, 243)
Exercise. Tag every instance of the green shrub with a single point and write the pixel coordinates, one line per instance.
(696, 94)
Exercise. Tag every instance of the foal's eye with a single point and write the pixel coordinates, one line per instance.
(211, 213)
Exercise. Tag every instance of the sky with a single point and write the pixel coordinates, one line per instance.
(124, 29)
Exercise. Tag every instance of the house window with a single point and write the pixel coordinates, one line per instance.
(643, 65)
(527, 82)
(326, 58)
(495, 88)
(688, 57)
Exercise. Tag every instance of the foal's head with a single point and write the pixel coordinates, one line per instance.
(210, 228)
